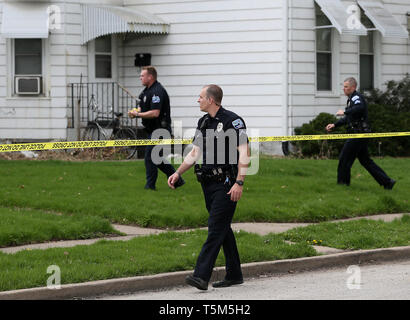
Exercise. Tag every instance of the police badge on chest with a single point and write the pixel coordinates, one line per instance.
(219, 129)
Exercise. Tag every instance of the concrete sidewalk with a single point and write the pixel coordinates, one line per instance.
(330, 257)
(261, 228)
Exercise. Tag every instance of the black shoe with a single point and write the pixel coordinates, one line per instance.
(226, 283)
(150, 188)
(390, 185)
(179, 183)
(197, 282)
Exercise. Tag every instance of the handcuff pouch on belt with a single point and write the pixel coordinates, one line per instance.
(216, 174)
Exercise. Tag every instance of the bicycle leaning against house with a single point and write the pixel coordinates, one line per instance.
(109, 129)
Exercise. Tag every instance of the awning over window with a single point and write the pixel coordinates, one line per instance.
(103, 20)
(338, 15)
(24, 20)
(383, 19)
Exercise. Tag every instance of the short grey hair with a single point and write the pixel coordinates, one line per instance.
(215, 92)
(352, 81)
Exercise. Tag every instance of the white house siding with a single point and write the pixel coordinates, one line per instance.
(304, 102)
(396, 52)
(26, 118)
(46, 118)
(235, 44)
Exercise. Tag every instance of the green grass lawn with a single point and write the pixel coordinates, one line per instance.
(284, 190)
(171, 251)
(153, 254)
(56, 200)
(360, 234)
(23, 226)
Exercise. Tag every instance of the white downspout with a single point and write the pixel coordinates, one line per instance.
(285, 68)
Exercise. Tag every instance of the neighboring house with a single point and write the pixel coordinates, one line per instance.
(279, 62)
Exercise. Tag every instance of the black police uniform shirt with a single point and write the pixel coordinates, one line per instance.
(155, 98)
(226, 131)
(356, 110)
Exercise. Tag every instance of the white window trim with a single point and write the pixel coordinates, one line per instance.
(11, 71)
(334, 92)
(377, 39)
(114, 62)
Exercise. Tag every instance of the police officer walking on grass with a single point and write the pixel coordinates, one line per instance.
(222, 140)
(356, 119)
(155, 114)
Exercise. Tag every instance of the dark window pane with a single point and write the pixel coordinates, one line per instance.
(103, 44)
(103, 66)
(324, 71)
(366, 21)
(366, 72)
(28, 64)
(321, 19)
(366, 43)
(324, 39)
(27, 46)
(28, 56)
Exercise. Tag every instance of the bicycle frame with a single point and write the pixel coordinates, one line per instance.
(109, 129)
(113, 126)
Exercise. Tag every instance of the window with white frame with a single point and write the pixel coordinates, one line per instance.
(103, 57)
(367, 55)
(28, 66)
(367, 62)
(28, 57)
(323, 51)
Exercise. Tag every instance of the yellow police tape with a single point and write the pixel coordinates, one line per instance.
(128, 143)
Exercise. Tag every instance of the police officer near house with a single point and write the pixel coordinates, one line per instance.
(220, 136)
(356, 119)
(155, 114)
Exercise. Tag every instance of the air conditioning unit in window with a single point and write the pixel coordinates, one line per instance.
(28, 85)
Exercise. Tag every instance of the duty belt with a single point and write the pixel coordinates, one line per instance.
(215, 174)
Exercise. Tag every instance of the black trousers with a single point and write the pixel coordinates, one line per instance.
(151, 169)
(357, 148)
(221, 210)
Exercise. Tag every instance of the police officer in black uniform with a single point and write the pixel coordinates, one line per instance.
(222, 140)
(356, 120)
(155, 114)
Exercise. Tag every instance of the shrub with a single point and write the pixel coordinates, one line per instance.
(396, 95)
(389, 111)
(319, 148)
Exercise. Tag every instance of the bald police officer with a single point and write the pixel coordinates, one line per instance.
(356, 119)
(222, 140)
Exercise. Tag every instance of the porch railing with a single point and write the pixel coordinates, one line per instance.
(109, 97)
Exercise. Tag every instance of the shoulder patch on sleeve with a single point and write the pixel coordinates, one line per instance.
(155, 99)
(355, 98)
(357, 102)
(238, 124)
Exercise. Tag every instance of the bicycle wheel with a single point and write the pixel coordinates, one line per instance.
(91, 133)
(126, 134)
